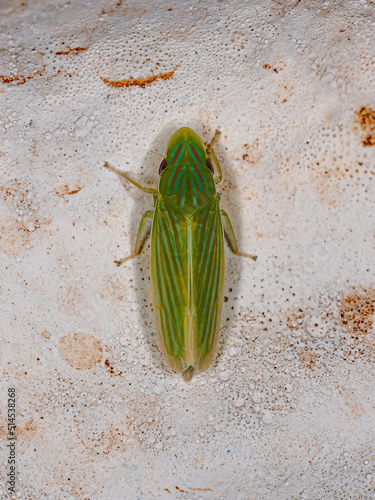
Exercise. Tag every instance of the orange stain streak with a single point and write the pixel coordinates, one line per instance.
(179, 489)
(74, 191)
(19, 79)
(139, 82)
(69, 51)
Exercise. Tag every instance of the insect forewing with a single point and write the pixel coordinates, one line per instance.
(208, 275)
(187, 274)
(169, 271)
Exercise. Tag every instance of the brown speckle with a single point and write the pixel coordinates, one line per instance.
(283, 94)
(333, 176)
(112, 289)
(294, 318)
(80, 350)
(267, 66)
(46, 335)
(111, 370)
(13, 237)
(308, 358)
(250, 153)
(119, 7)
(59, 72)
(356, 311)
(365, 118)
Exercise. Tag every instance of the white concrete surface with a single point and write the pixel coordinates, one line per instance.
(286, 411)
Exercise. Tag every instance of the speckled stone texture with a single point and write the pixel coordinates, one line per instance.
(286, 410)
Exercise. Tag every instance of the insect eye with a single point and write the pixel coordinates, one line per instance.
(163, 164)
(209, 165)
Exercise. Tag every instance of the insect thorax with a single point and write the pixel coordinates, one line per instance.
(188, 186)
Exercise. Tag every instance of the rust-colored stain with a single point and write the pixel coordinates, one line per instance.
(8, 193)
(308, 358)
(249, 153)
(66, 190)
(72, 51)
(104, 440)
(111, 370)
(283, 94)
(46, 335)
(74, 191)
(139, 82)
(267, 66)
(34, 148)
(112, 8)
(294, 318)
(356, 311)
(80, 350)
(16, 235)
(166, 489)
(365, 118)
(19, 79)
(179, 489)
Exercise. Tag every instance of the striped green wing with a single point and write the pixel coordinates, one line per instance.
(208, 266)
(187, 277)
(169, 280)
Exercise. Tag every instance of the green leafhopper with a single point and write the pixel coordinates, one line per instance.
(187, 251)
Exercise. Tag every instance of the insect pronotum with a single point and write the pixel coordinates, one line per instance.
(187, 251)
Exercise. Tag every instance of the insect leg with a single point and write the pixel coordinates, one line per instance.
(128, 178)
(211, 153)
(138, 243)
(232, 238)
